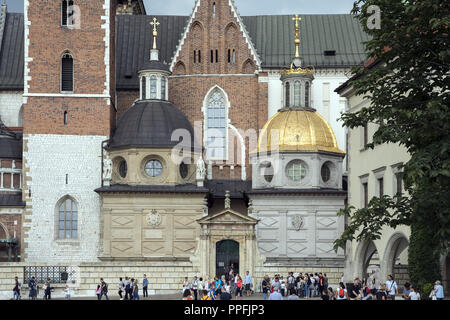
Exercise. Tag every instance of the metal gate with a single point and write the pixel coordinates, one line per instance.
(227, 255)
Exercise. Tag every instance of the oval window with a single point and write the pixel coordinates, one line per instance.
(123, 168)
(153, 168)
(184, 170)
(325, 173)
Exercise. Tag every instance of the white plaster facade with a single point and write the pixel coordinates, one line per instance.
(370, 166)
(10, 108)
(51, 161)
(279, 238)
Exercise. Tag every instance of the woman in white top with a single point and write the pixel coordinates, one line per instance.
(414, 295)
(186, 285)
(341, 292)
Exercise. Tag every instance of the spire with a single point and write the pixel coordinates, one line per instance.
(297, 35)
(154, 53)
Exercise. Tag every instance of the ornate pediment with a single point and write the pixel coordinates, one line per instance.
(228, 217)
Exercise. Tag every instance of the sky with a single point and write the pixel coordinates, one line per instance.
(245, 7)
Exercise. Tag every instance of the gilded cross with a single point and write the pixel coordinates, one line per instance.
(155, 24)
(297, 34)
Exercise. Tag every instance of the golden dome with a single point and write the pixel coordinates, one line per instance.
(298, 130)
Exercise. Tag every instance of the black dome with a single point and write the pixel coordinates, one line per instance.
(150, 123)
(154, 65)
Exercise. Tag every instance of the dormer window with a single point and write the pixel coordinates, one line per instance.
(153, 82)
(144, 89)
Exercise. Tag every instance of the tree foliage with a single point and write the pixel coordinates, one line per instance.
(409, 90)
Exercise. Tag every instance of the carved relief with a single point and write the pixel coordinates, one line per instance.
(154, 219)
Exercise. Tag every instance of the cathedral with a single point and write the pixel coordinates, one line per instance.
(172, 145)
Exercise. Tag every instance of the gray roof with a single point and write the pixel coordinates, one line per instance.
(150, 123)
(11, 52)
(11, 200)
(10, 145)
(272, 37)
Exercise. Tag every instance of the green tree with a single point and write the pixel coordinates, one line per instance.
(408, 86)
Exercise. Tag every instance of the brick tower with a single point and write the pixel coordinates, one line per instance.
(69, 94)
(217, 58)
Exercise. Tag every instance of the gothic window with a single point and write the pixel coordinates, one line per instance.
(67, 72)
(216, 126)
(144, 89)
(199, 56)
(296, 170)
(307, 94)
(212, 56)
(68, 219)
(297, 88)
(287, 95)
(67, 13)
(229, 55)
(195, 56)
(233, 59)
(217, 56)
(153, 82)
(163, 88)
(214, 9)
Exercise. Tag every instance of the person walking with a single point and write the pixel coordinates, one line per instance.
(135, 293)
(127, 288)
(265, 287)
(438, 290)
(145, 286)
(391, 287)
(103, 289)
(98, 291)
(194, 287)
(48, 290)
(67, 292)
(248, 283)
(32, 285)
(239, 288)
(212, 291)
(121, 288)
(16, 289)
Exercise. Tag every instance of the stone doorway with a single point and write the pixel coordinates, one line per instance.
(227, 256)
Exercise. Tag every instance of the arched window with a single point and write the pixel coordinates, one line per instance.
(216, 125)
(67, 13)
(65, 117)
(297, 88)
(214, 9)
(307, 94)
(153, 82)
(67, 72)
(67, 219)
(233, 59)
(163, 88)
(144, 88)
(287, 96)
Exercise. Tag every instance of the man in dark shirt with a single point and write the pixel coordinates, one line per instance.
(355, 293)
(265, 287)
(225, 295)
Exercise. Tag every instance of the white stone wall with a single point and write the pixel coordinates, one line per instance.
(327, 102)
(277, 237)
(49, 158)
(10, 104)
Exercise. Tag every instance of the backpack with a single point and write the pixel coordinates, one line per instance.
(105, 287)
(341, 293)
(309, 281)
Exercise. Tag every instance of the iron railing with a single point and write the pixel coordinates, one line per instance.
(56, 274)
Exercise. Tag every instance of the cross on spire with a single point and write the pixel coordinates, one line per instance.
(297, 34)
(155, 24)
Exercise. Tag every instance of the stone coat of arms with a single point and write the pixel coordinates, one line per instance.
(297, 222)
(154, 219)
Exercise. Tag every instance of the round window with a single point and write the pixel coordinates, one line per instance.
(325, 172)
(184, 170)
(153, 168)
(123, 168)
(296, 170)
